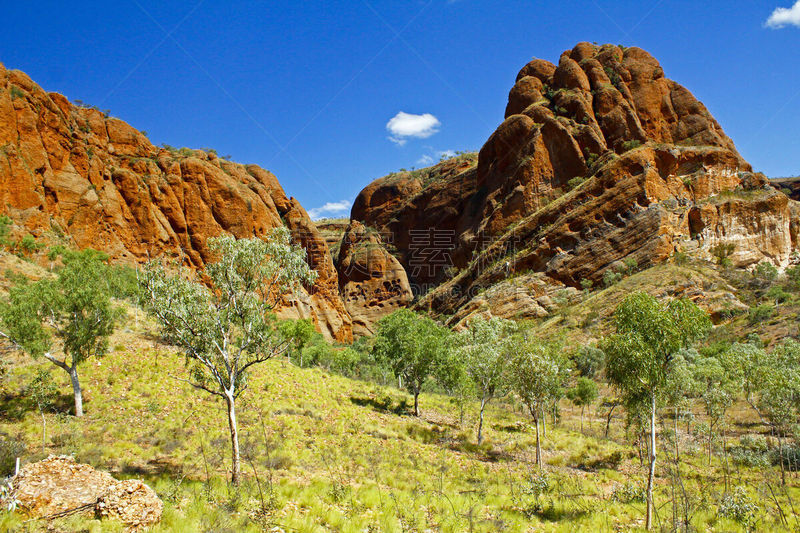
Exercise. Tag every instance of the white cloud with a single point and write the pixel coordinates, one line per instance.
(784, 16)
(330, 208)
(446, 154)
(402, 126)
(425, 160)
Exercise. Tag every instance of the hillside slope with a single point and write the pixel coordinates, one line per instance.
(73, 175)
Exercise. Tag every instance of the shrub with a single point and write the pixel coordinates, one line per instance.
(628, 493)
(777, 294)
(28, 244)
(766, 271)
(760, 313)
(631, 145)
(793, 275)
(5, 229)
(610, 278)
(575, 182)
(738, 506)
(16, 92)
(791, 457)
(722, 253)
(588, 360)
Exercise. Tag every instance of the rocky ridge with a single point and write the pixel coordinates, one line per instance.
(600, 159)
(73, 175)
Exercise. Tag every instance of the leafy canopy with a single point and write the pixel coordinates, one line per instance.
(75, 308)
(648, 334)
(227, 325)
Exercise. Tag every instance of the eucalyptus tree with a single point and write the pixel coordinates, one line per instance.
(486, 347)
(413, 346)
(779, 395)
(226, 326)
(584, 393)
(680, 389)
(66, 320)
(452, 376)
(718, 384)
(640, 352)
(538, 373)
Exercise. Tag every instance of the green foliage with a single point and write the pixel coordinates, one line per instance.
(777, 294)
(226, 328)
(5, 229)
(16, 92)
(631, 145)
(765, 271)
(301, 332)
(538, 373)
(722, 253)
(575, 182)
(760, 313)
(648, 334)
(588, 360)
(740, 507)
(584, 392)
(587, 284)
(413, 346)
(42, 391)
(611, 278)
(793, 276)
(75, 306)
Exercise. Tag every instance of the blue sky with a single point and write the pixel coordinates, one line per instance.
(306, 89)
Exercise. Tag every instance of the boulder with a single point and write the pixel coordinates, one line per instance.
(60, 485)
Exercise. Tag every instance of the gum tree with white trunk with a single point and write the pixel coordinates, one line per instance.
(639, 356)
(485, 346)
(226, 325)
(66, 320)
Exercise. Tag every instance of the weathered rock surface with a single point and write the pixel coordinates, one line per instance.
(372, 282)
(600, 158)
(59, 484)
(71, 173)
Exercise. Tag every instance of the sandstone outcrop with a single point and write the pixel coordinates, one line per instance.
(72, 174)
(60, 485)
(372, 282)
(600, 159)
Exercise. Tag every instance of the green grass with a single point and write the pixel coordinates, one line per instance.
(338, 460)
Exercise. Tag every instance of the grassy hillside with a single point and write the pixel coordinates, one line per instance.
(325, 453)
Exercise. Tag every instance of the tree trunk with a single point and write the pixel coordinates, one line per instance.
(675, 425)
(544, 423)
(652, 472)
(535, 415)
(416, 403)
(44, 430)
(480, 421)
(76, 390)
(235, 463)
(582, 418)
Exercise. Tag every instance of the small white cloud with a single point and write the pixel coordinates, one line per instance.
(446, 154)
(784, 16)
(425, 160)
(330, 208)
(403, 126)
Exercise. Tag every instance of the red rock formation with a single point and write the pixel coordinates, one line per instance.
(372, 282)
(600, 158)
(71, 173)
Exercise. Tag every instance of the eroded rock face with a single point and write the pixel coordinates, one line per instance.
(70, 172)
(600, 158)
(59, 484)
(372, 282)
